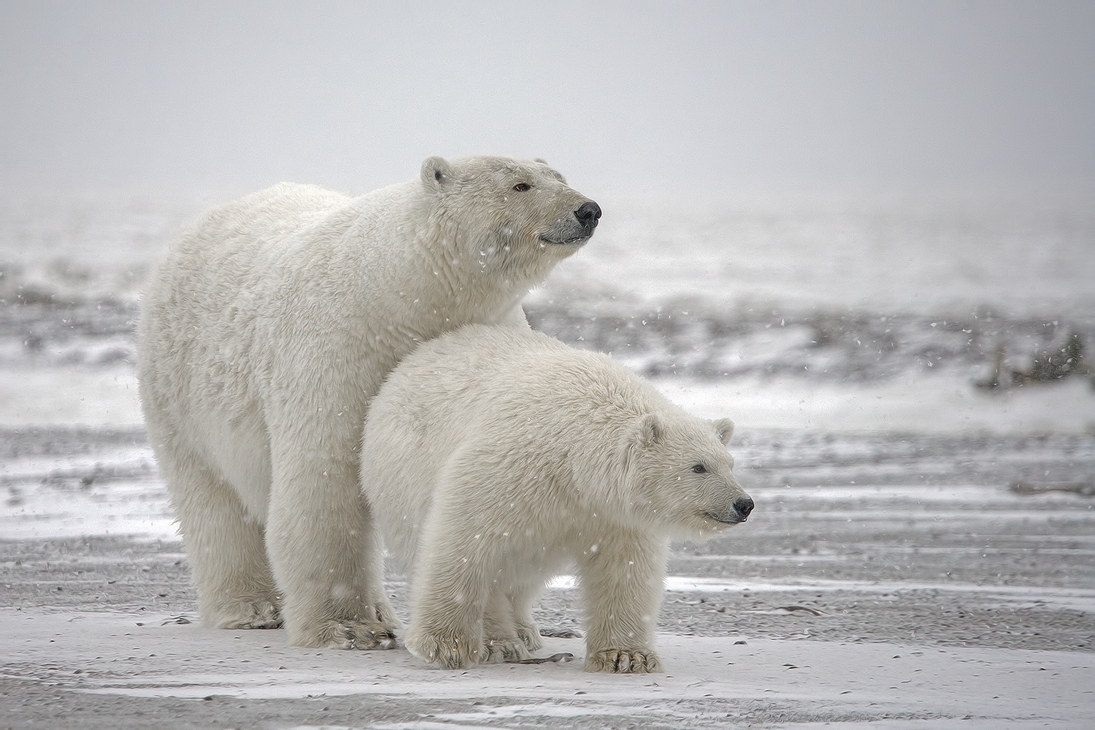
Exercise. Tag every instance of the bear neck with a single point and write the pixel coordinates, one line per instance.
(476, 278)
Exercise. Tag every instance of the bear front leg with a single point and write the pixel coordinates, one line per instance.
(327, 558)
(446, 624)
(452, 585)
(622, 583)
(521, 599)
(502, 640)
(225, 547)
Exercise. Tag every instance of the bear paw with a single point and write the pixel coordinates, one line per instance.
(445, 649)
(257, 614)
(497, 651)
(624, 661)
(530, 635)
(349, 634)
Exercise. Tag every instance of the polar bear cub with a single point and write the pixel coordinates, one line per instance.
(493, 458)
(266, 331)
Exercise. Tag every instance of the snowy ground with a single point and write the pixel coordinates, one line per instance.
(921, 552)
(888, 579)
(104, 666)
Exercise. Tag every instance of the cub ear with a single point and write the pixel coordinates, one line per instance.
(639, 435)
(436, 172)
(650, 430)
(724, 429)
(542, 161)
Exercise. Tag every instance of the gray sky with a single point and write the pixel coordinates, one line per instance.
(633, 96)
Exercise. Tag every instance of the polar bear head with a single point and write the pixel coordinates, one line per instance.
(506, 214)
(680, 476)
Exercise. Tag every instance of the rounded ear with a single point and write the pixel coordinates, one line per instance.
(639, 435)
(650, 430)
(436, 172)
(558, 175)
(724, 429)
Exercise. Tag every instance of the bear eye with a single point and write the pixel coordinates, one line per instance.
(699, 469)
(522, 187)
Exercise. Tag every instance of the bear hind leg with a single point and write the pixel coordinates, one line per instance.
(225, 547)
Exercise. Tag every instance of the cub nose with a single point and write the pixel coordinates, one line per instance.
(744, 505)
(588, 214)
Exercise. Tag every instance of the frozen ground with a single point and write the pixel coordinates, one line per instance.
(105, 665)
(891, 580)
(921, 553)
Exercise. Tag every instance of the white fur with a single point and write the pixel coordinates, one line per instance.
(494, 457)
(263, 336)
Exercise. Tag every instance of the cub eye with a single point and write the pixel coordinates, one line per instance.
(522, 187)
(699, 469)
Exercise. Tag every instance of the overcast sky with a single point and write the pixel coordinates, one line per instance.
(742, 96)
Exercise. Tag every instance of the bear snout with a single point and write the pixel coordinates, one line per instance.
(576, 228)
(735, 514)
(743, 505)
(588, 214)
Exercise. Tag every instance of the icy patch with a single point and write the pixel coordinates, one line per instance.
(115, 490)
(928, 404)
(137, 508)
(70, 396)
(1078, 599)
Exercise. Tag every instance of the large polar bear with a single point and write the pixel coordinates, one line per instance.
(493, 457)
(266, 332)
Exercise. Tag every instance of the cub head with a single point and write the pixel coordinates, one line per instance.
(681, 476)
(505, 213)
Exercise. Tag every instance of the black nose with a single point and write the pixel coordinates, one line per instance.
(588, 214)
(744, 505)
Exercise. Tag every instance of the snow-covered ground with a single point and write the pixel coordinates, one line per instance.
(889, 580)
(921, 549)
(710, 682)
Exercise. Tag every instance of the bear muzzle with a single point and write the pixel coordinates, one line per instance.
(740, 513)
(577, 228)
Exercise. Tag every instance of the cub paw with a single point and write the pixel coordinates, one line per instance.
(348, 634)
(530, 636)
(445, 649)
(498, 651)
(623, 661)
